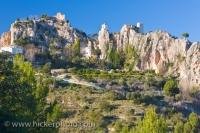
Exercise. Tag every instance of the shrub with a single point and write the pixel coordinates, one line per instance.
(170, 88)
(55, 113)
(178, 127)
(105, 106)
(46, 68)
(194, 122)
(21, 41)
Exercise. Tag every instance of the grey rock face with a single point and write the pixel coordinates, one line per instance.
(161, 52)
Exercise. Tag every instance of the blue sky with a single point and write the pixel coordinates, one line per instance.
(174, 16)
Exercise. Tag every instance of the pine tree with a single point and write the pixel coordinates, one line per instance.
(113, 58)
(151, 122)
(194, 121)
(131, 57)
(22, 94)
(178, 127)
(171, 88)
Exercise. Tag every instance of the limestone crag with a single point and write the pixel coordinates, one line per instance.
(47, 33)
(103, 40)
(156, 50)
(161, 52)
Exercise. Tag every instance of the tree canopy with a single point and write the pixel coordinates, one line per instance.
(113, 58)
(151, 122)
(22, 93)
(171, 87)
(131, 57)
(185, 35)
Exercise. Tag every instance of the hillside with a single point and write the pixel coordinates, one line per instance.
(56, 78)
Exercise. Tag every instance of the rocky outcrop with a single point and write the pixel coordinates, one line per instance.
(5, 39)
(46, 33)
(103, 39)
(190, 68)
(160, 51)
(157, 50)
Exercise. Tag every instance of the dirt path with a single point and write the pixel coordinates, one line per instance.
(74, 80)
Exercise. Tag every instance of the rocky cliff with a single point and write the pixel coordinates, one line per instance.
(157, 50)
(161, 52)
(47, 33)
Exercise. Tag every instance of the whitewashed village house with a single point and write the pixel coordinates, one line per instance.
(13, 49)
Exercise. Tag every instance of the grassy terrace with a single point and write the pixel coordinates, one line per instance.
(92, 74)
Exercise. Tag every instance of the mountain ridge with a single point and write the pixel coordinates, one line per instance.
(157, 50)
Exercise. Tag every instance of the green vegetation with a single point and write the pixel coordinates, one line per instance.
(113, 58)
(73, 53)
(55, 113)
(129, 101)
(190, 126)
(193, 121)
(178, 127)
(44, 16)
(22, 94)
(21, 41)
(185, 35)
(171, 88)
(180, 58)
(46, 68)
(76, 49)
(22, 24)
(151, 122)
(169, 64)
(103, 106)
(131, 57)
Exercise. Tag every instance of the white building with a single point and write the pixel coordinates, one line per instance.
(87, 52)
(13, 49)
(140, 26)
(60, 16)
